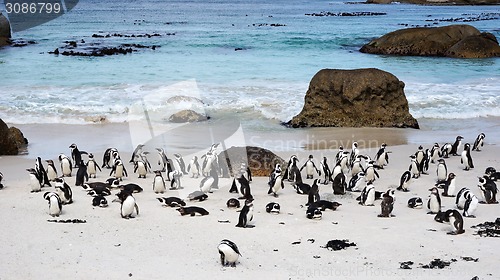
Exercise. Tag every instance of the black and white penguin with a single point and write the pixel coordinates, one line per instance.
(387, 204)
(434, 202)
(419, 157)
(158, 183)
(51, 170)
(109, 157)
(478, 144)
(42, 174)
(466, 159)
(233, 203)
(292, 172)
(310, 168)
(192, 211)
(97, 189)
(367, 197)
(35, 183)
(245, 190)
(273, 208)
(339, 154)
(354, 151)
(171, 201)
(337, 169)
(128, 204)
(119, 170)
(415, 202)
(414, 167)
(76, 155)
(325, 204)
(163, 160)
(179, 164)
(64, 191)
(343, 163)
(405, 181)
(100, 201)
(135, 154)
(131, 188)
(382, 157)
(66, 166)
(449, 185)
(357, 182)
(275, 182)
(441, 171)
(175, 180)
(81, 174)
(302, 188)
(197, 195)
(452, 149)
(467, 201)
(488, 190)
(1, 178)
(313, 213)
(55, 204)
(357, 165)
(424, 165)
(92, 166)
(246, 214)
(370, 172)
(229, 253)
(492, 173)
(313, 195)
(434, 153)
(452, 217)
(339, 184)
(210, 182)
(194, 168)
(327, 175)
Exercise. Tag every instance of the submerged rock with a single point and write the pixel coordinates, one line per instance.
(11, 140)
(5, 33)
(355, 98)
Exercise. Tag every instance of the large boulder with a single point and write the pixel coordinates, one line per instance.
(187, 116)
(11, 140)
(355, 98)
(261, 161)
(464, 40)
(4, 31)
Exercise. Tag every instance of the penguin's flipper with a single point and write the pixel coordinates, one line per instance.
(137, 209)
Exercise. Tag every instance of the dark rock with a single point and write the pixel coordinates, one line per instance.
(453, 40)
(261, 161)
(437, 2)
(11, 140)
(5, 33)
(337, 244)
(354, 98)
(185, 116)
(346, 14)
(438, 264)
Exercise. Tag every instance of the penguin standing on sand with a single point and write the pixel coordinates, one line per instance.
(420, 156)
(109, 157)
(434, 202)
(81, 174)
(441, 171)
(245, 188)
(448, 185)
(229, 253)
(488, 189)
(354, 151)
(387, 204)
(128, 204)
(382, 157)
(356, 182)
(42, 174)
(51, 170)
(405, 181)
(451, 149)
(1, 178)
(55, 204)
(119, 170)
(434, 153)
(310, 168)
(466, 159)
(357, 166)
(180, 165)
(370, 172)
(292, 169)
(76, 155)
(452, 217)
(64, 191)
(142, 165)
(327, 175)
(313, 195)
(35, 183)
(66, 166)
(275, 183)
(92, 166)
(163, 160)
(210, 182)
(339, 184)
(246, 214)
(158, 183)
(414, 167)
(135, 154)
(478, 144)
(467, 201)
(194, 168)
(175, 180)
(367, 197)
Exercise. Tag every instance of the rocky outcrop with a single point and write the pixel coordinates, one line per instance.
(5, 33)
(11, 140)
(454, 40)
(187, 116)
(355, 98)
(261, 161)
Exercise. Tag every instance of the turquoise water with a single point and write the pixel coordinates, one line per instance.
(264, 83)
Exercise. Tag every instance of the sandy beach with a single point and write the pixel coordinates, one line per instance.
(160, 243)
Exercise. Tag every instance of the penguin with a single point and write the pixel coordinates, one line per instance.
(478, 144)
(171, 201)
(339, 184)
(233, 203)
(448, 185)
(434, 153)
(434, 202)
(229, 253)
(273, 208)
(291, 169)
(310, 168)
(382, 157)
(98, 186)
(180, 165)
(387, 204)
(76, 155)
(294, 170)
(327, 175)
(55, 204)
(141, 165)
(414, 167)
(194, 168)
(158, 183)
(109, 157)
(66, 166)
(343, 163)
(337, 169)
(339, 154)
(131, 188)
(302, 188)
(163, 160)
(119, 170)
(466, 159)
(441, 171)
(1, 178)
(245, 188)
(246, 214)
(64, 191)
(210, 182)
(275, 184)
(92, 166)
(192, 211)
(325, 204)
(452, 217)
(128, 204)
(370, 172)
(354, 151)
(175, 181)
(488, 189)
(42, 174)
(424, 165)
(448, 149)
(419, 157)
(405, 181)
(415, 202)
(367, 197)
(100, 201)
(235, 185)
(356, 182)
(492, 173)
(81, 174)
(313, 195)
(313, 213)
(197, 195)
(135, 154)
(357, 166)
(35, 184)
(97, 190)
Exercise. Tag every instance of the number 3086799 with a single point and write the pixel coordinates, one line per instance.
(33, 8)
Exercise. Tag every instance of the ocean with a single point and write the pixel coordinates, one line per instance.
(249, 60)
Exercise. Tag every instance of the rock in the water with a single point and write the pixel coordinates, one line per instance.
(185, 116)
(11, 140)
(437, 2)
(355, 98)
(453, 40)
(261, 161)
(5, 33)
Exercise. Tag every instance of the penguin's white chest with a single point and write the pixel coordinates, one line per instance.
(465, 159)
(277, 184)
(250, 214)
(370, 197)
(158, 184)
(309, 168)
(54, 209)
(119, 171)
(229, 254)
(441, 172)
(34, 183)
(434, 204)
(128, 206)
(51, 173)
(141, 168)
(66, 167)
(91, 167)
(207, 185)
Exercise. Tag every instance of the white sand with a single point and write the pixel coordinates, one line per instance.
(160, 243)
